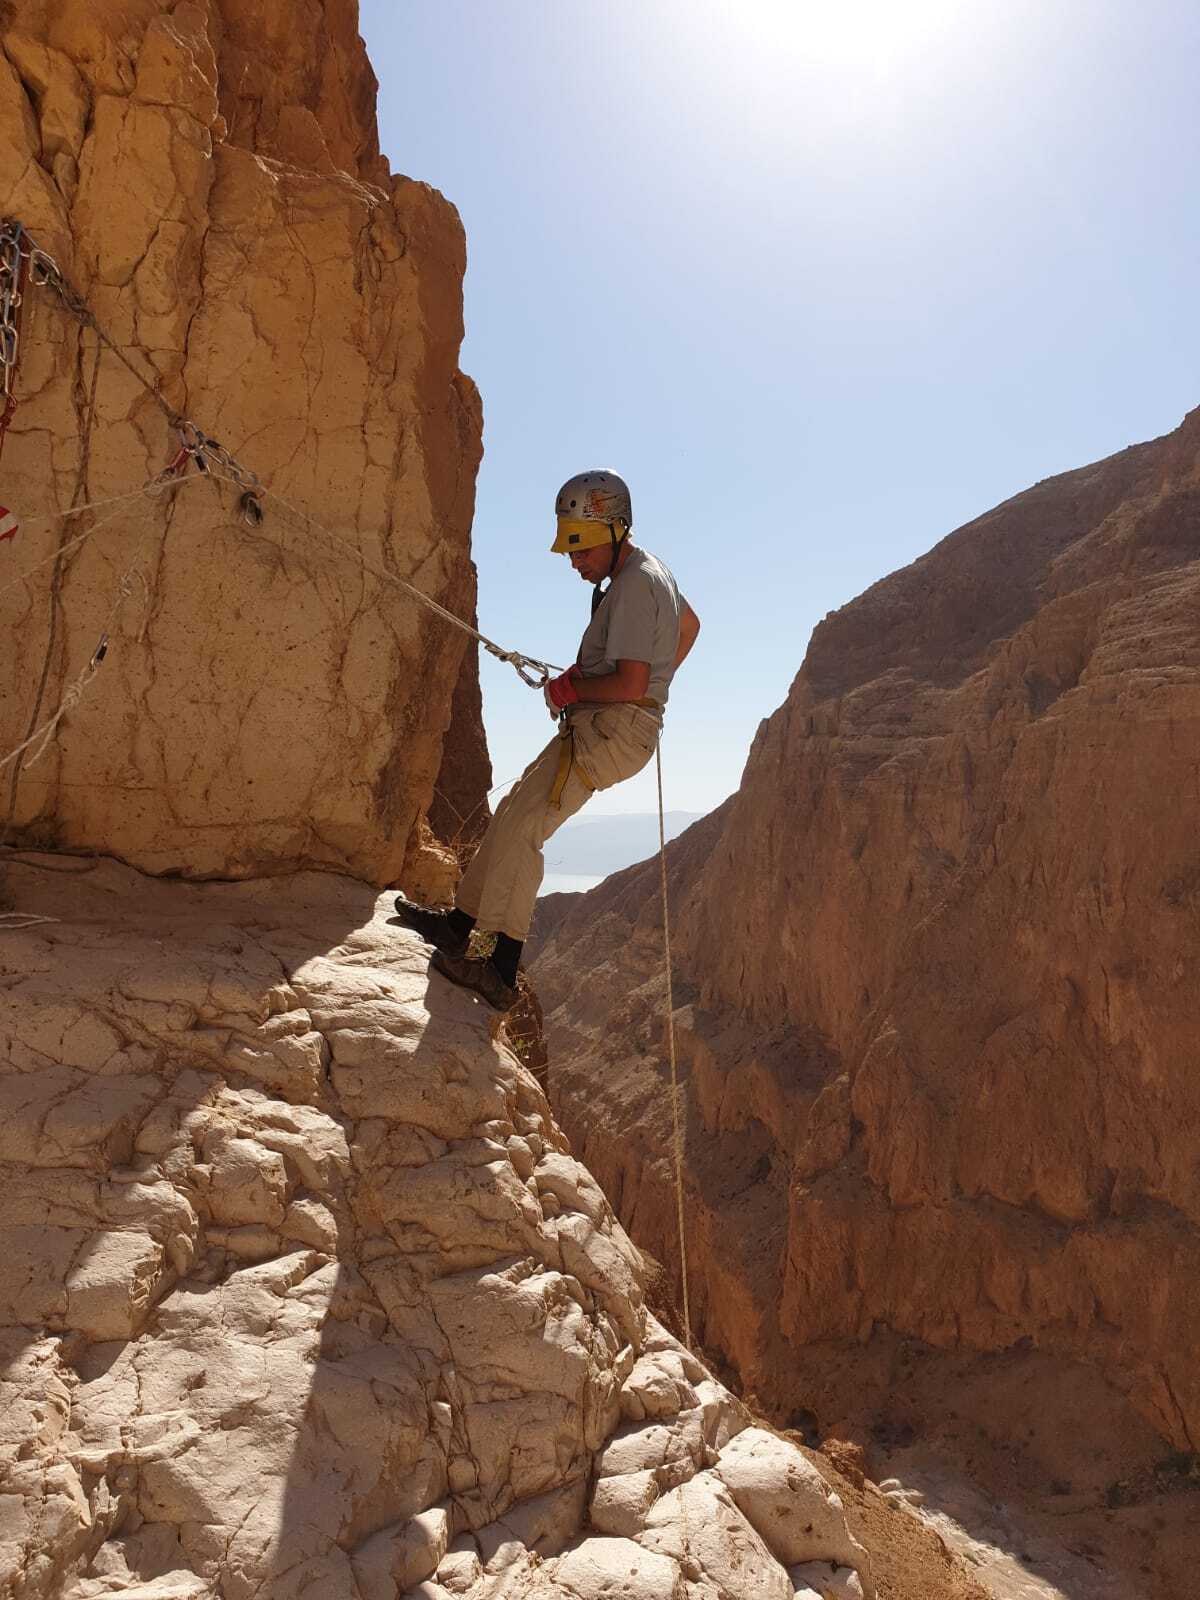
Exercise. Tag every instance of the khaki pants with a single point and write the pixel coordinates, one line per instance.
(499, 888)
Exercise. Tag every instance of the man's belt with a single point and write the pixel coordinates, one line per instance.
(566, 753)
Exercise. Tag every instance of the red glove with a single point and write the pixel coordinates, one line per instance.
(561, 691)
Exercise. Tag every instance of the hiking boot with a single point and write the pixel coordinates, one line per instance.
(434, 926)
(479, 976)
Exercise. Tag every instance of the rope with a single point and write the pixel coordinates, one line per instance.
(677, 1139)
(515, 658)
(14, 921)
(150, 488)
(44, 273)
(42, 735)
(216, 461)
(32, 730)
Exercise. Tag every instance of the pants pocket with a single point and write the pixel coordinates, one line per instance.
(609, 747)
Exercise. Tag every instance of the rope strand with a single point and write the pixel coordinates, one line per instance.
(677, 1129)
(151, 487)
(41, 736)
(216, 461)
(514, 657)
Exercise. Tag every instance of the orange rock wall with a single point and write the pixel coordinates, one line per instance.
(940, 967)
(209, 177)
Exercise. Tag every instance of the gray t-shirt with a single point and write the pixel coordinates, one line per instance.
(638, 620)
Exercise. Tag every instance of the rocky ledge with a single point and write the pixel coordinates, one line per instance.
(304, 1295)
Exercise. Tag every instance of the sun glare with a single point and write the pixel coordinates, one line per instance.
(843, 34)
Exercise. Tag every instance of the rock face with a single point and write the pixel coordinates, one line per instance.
(302, 1294)
(208, 177)
(938, 965)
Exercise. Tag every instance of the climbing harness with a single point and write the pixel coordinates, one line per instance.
(567, 761)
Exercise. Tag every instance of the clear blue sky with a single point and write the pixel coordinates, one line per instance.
(823, 281)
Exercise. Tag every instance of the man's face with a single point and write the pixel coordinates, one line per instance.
(592, 565)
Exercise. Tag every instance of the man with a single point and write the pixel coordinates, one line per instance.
(610, 707)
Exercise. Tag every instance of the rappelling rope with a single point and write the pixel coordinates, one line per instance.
(212, 458)
(676, 1122)
(542, 669)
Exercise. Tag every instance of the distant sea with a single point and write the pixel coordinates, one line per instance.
(587, 849)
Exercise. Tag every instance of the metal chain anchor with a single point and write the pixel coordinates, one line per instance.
(13, 271)
(210, 455)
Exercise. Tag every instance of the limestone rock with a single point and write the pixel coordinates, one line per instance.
(283, 1308)
(826, 1580)
(787, 1499)
(209, 178)
(938, 965)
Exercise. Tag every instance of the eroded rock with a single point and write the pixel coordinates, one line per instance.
(209, 178)
(323, 1338)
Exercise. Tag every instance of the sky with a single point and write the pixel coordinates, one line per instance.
(821, 281)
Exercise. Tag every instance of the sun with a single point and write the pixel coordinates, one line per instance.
(844, 33)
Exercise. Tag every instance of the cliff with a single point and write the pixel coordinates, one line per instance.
(936, 976)
(208, 178)
(302, 1293)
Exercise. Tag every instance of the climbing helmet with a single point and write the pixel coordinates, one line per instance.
(592, 508)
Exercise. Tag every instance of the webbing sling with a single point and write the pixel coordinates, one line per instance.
(566, 754)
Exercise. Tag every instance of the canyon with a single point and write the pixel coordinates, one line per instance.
(935, 967)
(306, 1288)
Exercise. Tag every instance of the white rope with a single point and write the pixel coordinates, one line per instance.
(677, 1139)
(42, 736)
(514, 657)
(209, 455)
(14, 921)
(151, 488)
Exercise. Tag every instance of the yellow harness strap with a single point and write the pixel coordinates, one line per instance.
(566, 756)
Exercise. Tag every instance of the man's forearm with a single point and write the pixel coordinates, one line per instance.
(622, 687)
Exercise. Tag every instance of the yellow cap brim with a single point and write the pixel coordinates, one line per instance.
(575, 535)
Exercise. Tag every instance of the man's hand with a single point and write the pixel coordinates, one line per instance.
(561, 692)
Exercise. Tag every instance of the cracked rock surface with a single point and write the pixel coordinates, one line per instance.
(207, 174)
(302, 1293)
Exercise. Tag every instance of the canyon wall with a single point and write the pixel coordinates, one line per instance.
(937, 967)
(208, 177)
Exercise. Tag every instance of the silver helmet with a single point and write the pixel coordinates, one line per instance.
(599, 496)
